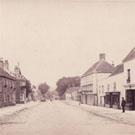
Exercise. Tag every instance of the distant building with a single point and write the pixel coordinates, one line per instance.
(91, 78)
(73, 94)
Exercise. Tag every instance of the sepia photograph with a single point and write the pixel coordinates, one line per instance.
(67, 67)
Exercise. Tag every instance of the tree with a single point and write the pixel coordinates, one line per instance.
(66, 82)
(43, 88)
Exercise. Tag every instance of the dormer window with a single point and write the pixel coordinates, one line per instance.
(129, 78)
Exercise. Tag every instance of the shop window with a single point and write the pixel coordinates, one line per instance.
(129, 96)
(107, 99)
(115, 99)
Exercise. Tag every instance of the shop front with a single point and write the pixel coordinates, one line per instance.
(88, 98)
(112, 100)
(130, 99)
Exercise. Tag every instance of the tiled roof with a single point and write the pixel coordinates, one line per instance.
(130, 56)
(118, 69)
(5, 74)
(99, 67)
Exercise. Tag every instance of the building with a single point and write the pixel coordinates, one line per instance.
(73, 94)
(129, 79)
(90, 79)
(111, 89)
(7, 85)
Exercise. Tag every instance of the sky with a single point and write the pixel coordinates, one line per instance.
(55, 38)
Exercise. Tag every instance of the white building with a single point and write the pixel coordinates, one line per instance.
(111, 89)
(72, 94)
(91, 78)
(129, 79)
(121, 83)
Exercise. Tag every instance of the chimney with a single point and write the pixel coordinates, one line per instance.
(1, 63)
(16, 69)
(6, 65)
(113, 64)
(102, 56)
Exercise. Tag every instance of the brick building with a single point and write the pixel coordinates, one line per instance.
(7, 86)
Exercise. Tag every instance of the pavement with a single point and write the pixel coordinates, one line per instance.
(110, 113)
(6, 112)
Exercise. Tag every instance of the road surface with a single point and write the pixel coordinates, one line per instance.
(57, 118)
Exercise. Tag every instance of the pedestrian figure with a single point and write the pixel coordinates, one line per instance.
(123, 104)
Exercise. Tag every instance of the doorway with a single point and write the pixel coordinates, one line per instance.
(130, 99)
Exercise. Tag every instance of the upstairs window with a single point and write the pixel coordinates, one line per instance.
(129, 78)
(102, 88)
(114, 86)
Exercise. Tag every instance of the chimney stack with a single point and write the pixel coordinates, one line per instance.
(1, 63)
(102, 56)
(6, 65)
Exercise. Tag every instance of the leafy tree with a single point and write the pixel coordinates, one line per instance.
(43, 88)
(66, 82)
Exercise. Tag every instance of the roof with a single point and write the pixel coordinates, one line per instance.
(5, 74)
(130, 56)
(100, 67)
(118, 69)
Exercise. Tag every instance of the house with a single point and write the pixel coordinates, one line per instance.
(72, 94)
(21, 96)
(7, 86)
(90, 79)
(129, 79)
(111, 89)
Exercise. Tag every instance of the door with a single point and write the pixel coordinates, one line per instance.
(85, 99)
(130, 99)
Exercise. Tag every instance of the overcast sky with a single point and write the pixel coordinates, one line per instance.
(55, 38)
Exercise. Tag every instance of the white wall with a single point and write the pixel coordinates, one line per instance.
(118, 79)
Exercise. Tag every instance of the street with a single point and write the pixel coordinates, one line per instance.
(57, 118)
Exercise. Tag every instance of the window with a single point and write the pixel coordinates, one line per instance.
(102, 88)
(4, 97)
(114, 86)
(5, 83)
(108, 87)
(99, 89)
(129, 78)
